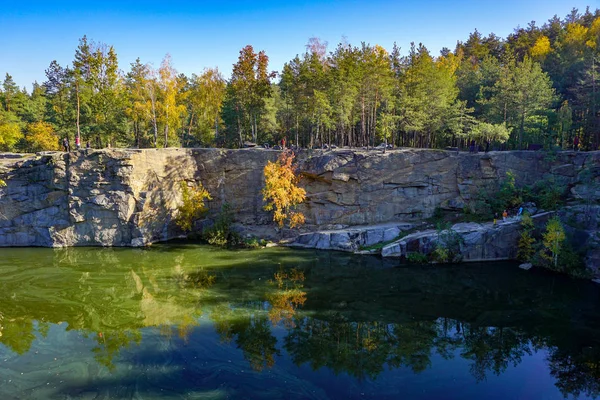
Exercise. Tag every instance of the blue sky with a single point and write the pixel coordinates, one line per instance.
(201, 34)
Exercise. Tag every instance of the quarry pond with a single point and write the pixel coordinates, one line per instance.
(193, 321)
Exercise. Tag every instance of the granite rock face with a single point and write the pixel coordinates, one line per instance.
(480, 242)
(120, 197)
(127, 197)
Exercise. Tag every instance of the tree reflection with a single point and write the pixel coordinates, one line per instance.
(287, 297)
(251, 332)
(351, 319)
(493, 349)
(577, 373)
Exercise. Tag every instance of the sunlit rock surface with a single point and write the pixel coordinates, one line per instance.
(129, 197)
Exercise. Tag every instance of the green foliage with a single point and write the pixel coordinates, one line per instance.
(440, 254)
(526, 240)
(483, 132)
(193, 207)
(548, 194)
(536, 86)
(526, 249)
(509, 194)
(448, 245)
(417, 258)
(572, 262)
(220, 233)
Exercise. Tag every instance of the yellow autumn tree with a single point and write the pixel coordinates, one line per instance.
(281, 191)
(541, 48)
(553, 241)
(40, 136)
(192, 207)
(10, 131)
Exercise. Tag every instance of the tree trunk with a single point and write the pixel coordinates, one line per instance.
(78, 111)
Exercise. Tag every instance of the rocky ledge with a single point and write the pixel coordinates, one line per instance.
(479, 241)
(353, 239)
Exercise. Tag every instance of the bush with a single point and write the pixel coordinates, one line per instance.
(448, 245)
(440, 254)
(572, 263)
(220, 233)
(526, 249)
(526, 241)
(416, 258)
(509, 195)
(548, 194)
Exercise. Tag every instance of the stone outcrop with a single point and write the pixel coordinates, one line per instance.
(128, 197)
(480, 242)
(352, 239)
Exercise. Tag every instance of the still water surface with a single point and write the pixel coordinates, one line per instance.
(195, 322)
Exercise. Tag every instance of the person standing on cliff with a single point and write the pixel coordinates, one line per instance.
(504, 215)
(576, 143)
(66, 144)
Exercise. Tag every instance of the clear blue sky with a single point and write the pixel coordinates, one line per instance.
(201, 34)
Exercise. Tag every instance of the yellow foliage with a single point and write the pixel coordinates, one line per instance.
(2, 183)
(40, 136)
(281, 191)
(541, 48)
(193, 206)
(10, 134)
(594, 34)
(449, 63)
(576, 36)
(553, 240)
(288, 298)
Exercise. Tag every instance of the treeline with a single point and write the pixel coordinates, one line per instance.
(538, 86)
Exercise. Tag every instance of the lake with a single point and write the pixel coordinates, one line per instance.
(189, 321)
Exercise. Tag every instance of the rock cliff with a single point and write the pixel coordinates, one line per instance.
(130, 197)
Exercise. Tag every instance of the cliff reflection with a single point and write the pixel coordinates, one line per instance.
(352, 315)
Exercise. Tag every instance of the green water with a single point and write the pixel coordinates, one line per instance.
(194, 322)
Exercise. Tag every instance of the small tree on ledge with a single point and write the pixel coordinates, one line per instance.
(193, 206)
(281, 192)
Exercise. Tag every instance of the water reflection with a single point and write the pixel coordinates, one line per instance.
(354, 316)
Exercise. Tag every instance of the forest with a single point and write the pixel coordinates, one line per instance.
(536, 87)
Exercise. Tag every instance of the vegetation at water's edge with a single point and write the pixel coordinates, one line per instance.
(537, 86)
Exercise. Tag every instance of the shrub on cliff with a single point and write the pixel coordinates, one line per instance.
(526, 241)
(193, 207)
(220, 233)
(448, 245)
(281, 192)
